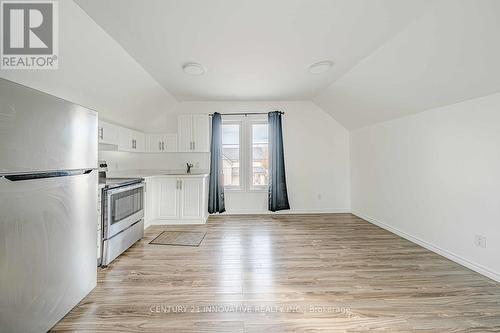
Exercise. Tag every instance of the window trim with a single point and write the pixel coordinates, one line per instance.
(246, 153)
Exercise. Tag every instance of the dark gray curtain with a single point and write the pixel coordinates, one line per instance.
(278, 196)
(216, 184)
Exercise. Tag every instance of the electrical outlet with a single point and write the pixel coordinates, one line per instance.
(480, 241)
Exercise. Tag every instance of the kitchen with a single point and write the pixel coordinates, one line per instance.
(126, 201)
(175, 196)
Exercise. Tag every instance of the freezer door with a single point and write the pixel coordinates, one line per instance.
(40, 132)
(47, 249)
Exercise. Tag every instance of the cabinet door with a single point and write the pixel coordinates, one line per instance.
(201, 140)
(125, 139)
(108, 133)
(169, 143)
(185, 132)
(140, 142)
(153, 143)
(168, 198)
(150, 201)
(191, 201)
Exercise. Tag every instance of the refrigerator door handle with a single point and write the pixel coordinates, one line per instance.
(49, 174)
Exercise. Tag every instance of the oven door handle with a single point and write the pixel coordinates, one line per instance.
(125, 189)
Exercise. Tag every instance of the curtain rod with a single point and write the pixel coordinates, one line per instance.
(242, 113)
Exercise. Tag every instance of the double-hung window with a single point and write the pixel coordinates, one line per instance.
(245, 153)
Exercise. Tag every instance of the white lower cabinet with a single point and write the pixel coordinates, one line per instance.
(168, 199)
(192, 199)
(176, 200)
(150, 194)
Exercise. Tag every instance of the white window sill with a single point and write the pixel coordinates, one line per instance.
(258, 189)
(233, 189)
(242, 190)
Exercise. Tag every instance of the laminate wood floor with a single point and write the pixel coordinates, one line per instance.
(286, 273)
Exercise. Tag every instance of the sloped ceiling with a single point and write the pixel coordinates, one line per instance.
(252, 50)
(96, 72)
(448, 55)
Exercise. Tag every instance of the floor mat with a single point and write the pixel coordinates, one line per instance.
(182, 238)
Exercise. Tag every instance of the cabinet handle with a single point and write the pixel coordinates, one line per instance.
(163, 145)
(101, 134)
(180, 184)
(194, 145)
(159, 145)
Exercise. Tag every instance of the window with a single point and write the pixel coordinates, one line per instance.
(231, 154)
(260, 153)
(245, 153)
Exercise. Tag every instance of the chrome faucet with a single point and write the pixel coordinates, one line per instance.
(189, 166)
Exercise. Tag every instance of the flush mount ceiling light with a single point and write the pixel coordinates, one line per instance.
(320, 67)
(193, 68)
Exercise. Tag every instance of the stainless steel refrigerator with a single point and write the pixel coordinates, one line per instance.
(48, 207)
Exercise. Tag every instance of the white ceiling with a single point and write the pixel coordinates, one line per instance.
(252, 50)
(392, 57)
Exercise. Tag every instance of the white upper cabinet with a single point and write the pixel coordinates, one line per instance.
(161, 143)
(185, 132)
(140, 141)
(130, 140)
(153, 143)
(108, 133)
(193, 131)
(201, 140)
(169, 143)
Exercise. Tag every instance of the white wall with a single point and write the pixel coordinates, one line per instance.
(316, 154)
(435, 178)
(96, 72)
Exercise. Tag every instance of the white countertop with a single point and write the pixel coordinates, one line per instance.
(195, 173)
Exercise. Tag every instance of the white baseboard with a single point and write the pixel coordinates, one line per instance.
(291, 211)
(434, 248)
